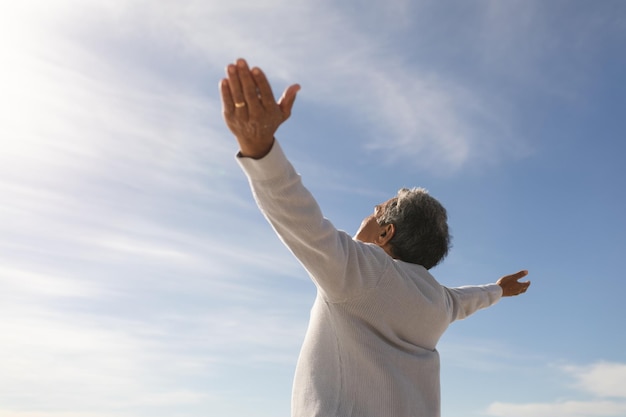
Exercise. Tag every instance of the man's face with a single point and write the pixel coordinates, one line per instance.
(370, 229)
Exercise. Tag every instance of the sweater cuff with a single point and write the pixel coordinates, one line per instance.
(272, 165)
(495, 291)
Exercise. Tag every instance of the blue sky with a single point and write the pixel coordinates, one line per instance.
(137, 277)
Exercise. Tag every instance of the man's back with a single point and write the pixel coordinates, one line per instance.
(374, 355)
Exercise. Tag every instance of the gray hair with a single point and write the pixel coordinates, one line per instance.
(421, 222)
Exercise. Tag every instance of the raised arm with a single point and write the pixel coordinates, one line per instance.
(340, 266)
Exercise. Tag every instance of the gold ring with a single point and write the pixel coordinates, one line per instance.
(240, 105)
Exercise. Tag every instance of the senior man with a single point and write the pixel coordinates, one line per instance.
(370, 348)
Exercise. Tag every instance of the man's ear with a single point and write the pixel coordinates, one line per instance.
(386, 233)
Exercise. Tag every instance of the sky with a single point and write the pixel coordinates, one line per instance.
(137, 277)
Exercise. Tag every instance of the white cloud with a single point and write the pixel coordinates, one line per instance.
(601, 380)
(71, 362)
(145, 249)
(21, 280)
(559, 409)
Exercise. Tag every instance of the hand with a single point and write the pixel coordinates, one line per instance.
(511, 286)
(250, 110)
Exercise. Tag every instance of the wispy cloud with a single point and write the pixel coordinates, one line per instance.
(341, 65)
(124, 225)
(76, 362)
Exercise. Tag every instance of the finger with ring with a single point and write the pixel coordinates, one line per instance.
(240, 104)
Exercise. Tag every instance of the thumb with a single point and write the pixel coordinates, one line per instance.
(519, 275)
(285, 103)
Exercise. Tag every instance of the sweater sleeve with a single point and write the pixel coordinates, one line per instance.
(340, 266)
(466, 300)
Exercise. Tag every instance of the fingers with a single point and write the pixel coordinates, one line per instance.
(236, 91)
(248, 86)
(519, 275)
(249, 90)
(265, 91)
(520, 287)
(228, 106)
(288, 98)
(511, 286)
(514, 278)
(247, 98)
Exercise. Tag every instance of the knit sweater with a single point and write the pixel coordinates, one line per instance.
(370, 348)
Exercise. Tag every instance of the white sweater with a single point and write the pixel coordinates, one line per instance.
(370, 349)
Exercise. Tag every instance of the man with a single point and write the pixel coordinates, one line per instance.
(370, 349)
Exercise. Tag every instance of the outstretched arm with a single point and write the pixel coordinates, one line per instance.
(250, 110)
(511, 286)
(469, 299)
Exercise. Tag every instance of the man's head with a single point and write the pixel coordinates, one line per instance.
(412, 227)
